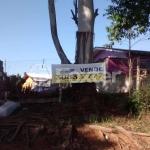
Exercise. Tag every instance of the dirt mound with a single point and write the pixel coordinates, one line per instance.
(114, 138)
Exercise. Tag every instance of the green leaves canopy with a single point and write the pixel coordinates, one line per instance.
(129, 18)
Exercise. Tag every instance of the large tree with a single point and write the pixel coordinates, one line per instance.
(129, 19)
(84, 17)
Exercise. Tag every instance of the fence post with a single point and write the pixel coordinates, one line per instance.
(138, 74)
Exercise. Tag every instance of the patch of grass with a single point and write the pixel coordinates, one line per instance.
(93, 118)
(131, 123)
(108, 121)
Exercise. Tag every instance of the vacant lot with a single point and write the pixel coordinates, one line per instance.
(72, 126)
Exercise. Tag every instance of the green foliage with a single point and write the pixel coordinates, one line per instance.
(106, 119)
(109, 121)
(129, 18)
(93, 118)
(136, 105)
(146, 96)
(139, 101)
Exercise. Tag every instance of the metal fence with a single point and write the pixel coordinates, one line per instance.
(18, 68)
(42, 66)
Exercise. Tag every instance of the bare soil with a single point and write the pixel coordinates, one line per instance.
(53, 126)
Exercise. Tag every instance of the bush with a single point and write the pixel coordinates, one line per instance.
(139, 101)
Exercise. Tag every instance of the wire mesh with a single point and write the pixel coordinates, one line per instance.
(42, 66)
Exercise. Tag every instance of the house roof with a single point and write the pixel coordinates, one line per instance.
(38, 77)
(35, 75)
(96, 49)
(102, 52)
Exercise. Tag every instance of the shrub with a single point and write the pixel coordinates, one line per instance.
(139, 100)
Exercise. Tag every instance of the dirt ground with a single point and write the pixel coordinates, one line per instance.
(51, 126)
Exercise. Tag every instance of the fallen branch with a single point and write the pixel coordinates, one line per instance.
(28, 143)
(17, 130)
(39, 130)
(117, 130)
(6, 133)
(110, 130)
(71, 134)
(103, 129)
(128, 134)
(140, 134)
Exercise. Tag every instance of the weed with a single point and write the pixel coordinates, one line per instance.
(105, 119)
(139, 101)
(108, 122)
(93, 118)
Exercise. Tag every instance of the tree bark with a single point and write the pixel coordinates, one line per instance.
(84, 44)
(138, 74)
(130, 74)
(84, 47)
(53, 25)
(130, 64)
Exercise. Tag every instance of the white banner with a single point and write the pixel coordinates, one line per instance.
(78, 73)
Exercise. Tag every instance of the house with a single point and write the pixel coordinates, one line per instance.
(36, 82)
(116, 61)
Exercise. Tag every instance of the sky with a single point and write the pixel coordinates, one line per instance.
(25, 31)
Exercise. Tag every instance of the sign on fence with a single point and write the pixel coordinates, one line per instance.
(78, 73)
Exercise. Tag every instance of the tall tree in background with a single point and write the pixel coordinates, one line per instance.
(84, 17)
(130, 18)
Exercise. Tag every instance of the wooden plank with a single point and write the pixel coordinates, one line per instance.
(40, 100)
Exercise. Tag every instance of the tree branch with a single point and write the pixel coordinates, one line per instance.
(75, 13)
(74, 17)
(96, 13)
(141, 39)
(53, 25)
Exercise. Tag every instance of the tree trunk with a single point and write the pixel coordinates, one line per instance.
(84, 48)
(130, 75)
(53, 25)
(138, 74)
(130, 64)
(84, 45)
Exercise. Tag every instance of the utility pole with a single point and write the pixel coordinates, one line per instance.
(5, 81)
(5, 66)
